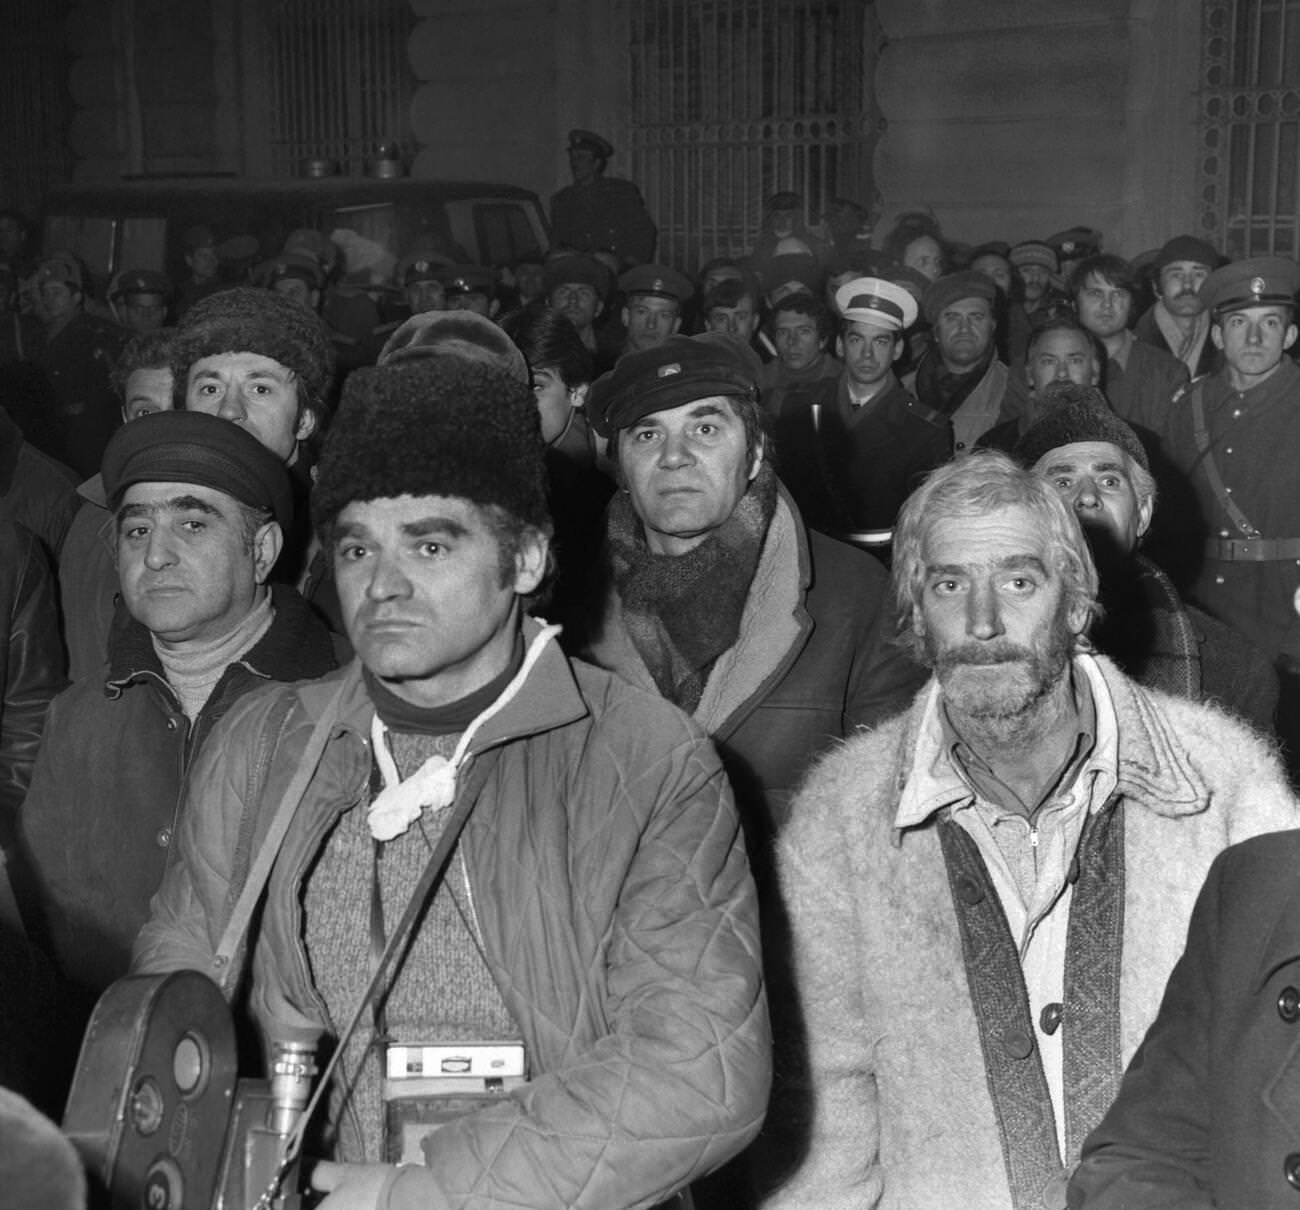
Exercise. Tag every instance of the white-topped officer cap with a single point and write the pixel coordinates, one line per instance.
(872, 300)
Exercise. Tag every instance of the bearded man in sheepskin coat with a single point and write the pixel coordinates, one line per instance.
(989, 891)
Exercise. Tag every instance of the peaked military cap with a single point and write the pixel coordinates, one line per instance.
(466, 279)
(589, 140)
(657, 279)
(140, 281)
(1261, 281)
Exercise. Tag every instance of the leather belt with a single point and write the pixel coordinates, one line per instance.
(1253, 550)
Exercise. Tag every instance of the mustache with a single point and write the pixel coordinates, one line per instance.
(982, 655)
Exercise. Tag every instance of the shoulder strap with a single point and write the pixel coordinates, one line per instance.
(241, 915)
(1201, 434)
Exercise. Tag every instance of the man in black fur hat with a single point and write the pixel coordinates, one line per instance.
(596, 921)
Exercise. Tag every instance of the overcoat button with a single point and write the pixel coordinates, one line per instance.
(1291, 1166)
(164, 837)
(1017, 1044)
(969, 889)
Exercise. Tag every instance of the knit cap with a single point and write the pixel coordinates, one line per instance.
(436, 426)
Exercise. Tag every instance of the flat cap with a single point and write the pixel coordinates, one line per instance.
(953, 287)
(872, 300)
(466, 279)
(1035, 252)
(1261, 281)
(589, 140)
(1076, 242)
(1083, 416)
(657, 279)
(463, 334)
(139, 281)
(802, 270)
(678, 371)
(1189, 248)
(199, 236)
(577, 270)
(295, 265)
(193, 447)
(785, 200)
(61, 267)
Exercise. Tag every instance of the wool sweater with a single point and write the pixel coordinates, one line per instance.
(902, 1116)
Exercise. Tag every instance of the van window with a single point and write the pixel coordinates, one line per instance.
(504, 233)
(90, 239)
(143, 244)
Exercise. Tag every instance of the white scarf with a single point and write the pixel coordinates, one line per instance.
(400, 803)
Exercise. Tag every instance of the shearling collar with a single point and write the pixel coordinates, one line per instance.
(1136, 754)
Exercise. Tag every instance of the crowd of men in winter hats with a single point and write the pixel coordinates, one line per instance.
(807, 693)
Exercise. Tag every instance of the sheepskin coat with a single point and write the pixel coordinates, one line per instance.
(903, 1116)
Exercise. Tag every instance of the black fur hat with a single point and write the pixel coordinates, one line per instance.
(441, 426)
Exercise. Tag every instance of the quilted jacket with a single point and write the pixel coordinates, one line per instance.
(903, 1117)
(617, 911)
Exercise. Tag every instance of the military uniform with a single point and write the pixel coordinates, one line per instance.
(602, 214)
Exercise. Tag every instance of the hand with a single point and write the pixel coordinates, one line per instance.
(350, 1186)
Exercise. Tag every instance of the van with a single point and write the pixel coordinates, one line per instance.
(141, 223)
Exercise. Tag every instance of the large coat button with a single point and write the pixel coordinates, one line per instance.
(969, 889)
(1018, 1044)
(1291, 1166)
(1288, 1005)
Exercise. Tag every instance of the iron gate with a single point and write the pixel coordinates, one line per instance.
(1250, 127)
(734, 100)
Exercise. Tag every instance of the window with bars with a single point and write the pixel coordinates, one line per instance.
(735, 100)
(1250, 126)
(342, 87)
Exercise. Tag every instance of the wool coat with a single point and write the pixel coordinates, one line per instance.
(901, 1093)
(1209, 1111)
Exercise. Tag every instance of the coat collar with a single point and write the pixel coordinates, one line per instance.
(774, 629)
(549, 698)
(297, 646)
(1151, 764)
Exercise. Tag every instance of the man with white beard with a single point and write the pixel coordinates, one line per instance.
(987, 892)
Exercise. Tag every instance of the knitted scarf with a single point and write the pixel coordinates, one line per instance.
(683, 611)
(938, 388)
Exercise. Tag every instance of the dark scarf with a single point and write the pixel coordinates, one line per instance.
(683, 611)
(939, 388)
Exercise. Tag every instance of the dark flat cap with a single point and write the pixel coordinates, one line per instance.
(1035, 252)
(1261, 281)
(1186, 247)
(678, 371)
(589, 140)
(953, 287)
(1085, 417)
(296, 265)
(193, 447)
(580, 270)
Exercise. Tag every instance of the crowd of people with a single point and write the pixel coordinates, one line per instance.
(805, 693)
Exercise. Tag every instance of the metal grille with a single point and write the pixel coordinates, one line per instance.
(734, 100)
(342, 86)
(34, 103)
(1250, 126)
